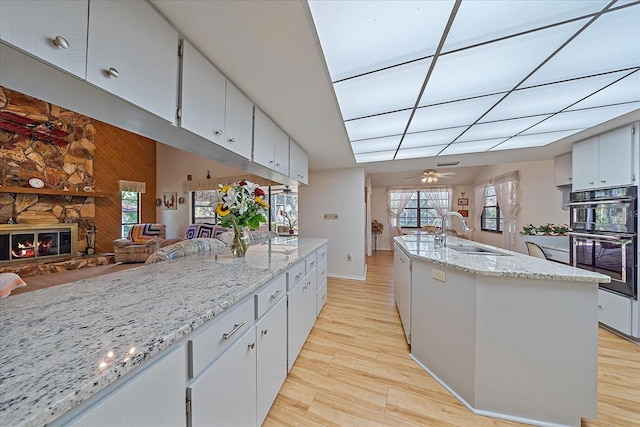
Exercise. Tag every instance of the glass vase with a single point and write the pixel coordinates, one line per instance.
(240, 242)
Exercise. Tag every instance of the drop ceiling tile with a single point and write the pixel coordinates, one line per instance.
(451, 114)
(534, 140)
(492, 68)
(481, 21)
(361, 36)
(376, 126)
(625, 90)
(379, 156)
(381, 92)
(548, 98)
(612, 42)
(583, 118)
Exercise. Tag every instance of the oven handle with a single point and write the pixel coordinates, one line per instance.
(600, 202)
(617, 237)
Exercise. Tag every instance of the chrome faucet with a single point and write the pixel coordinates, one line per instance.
(443, 235)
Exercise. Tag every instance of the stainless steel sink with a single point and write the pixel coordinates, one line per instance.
(475, 250)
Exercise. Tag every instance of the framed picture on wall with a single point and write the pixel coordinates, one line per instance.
(463, 212)
(463, 201)
(170, 201)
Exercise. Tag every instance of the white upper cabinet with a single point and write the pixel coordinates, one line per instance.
(132, 52)
(212, 106)
(238, 122)
(54, 31)
(270, 144)
(203, 96)
(562, 170)
(604, 161)
(298, 163)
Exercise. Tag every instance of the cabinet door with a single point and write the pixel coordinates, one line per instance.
(132, 52)
(203, 96)
(271, 336)
(616, 157)
(225, 393)
(562, 170)
(270, 144)
(54, 31)
(585, 164)
(298, 163)
(301, 316)
(238, 122)
(154, 397)
(281, 152)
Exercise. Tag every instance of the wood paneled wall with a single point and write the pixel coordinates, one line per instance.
(121, 155)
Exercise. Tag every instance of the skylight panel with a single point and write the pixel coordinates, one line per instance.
(412, 153)
(435, 137)
(382, 92)
(548, 98)
(612, 42)
(482, 21)
(361, 36)
(471, 146)
(379, 156)
(383, 125)
(501, 129)
(534, 140)
(376, 144)
(495, 67)
(625, 90)
(452, 114)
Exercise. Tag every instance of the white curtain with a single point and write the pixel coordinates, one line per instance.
(507, 193)
(397, 200)
(442, 204)
(132, 186)
(479, 199)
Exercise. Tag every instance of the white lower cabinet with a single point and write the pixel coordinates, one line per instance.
(225, 393)
(321, 298)
(154, 397)
(271, 337)
(614, 311)
(301, 315)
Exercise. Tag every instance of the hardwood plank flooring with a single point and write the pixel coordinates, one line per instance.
(354, 369)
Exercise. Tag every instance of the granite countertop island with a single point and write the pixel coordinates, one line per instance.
(509, 335)
(506, 264)
(61, 345)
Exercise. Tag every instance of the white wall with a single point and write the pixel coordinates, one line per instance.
(342, 192)
(173, 166)
(540, 201)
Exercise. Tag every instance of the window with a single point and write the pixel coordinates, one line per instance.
(284, 210)
(491, 219)
(422, 209)
(130, 210)
(203, 207)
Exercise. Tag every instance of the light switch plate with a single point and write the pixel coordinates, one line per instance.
(331, 216)
(439, 275)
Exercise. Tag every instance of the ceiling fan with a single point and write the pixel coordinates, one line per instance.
(431, 176)
(285, 190)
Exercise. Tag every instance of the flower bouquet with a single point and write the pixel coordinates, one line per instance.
(241, 205)
(376, 227)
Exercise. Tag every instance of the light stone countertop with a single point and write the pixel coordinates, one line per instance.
(53, 341)
(510, 264)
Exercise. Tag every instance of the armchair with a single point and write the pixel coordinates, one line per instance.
(142, 241)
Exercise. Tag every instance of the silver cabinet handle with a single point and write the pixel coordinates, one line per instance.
(590, 182)
(313, 263)
(251, 346)
(232, 140)
(298, 275)
(277, 164)
(603, 181)
(61, 42)
(112, 72)
(235, 329)
(270, 161)
(264, 332)
(218, 132)
(274, 296)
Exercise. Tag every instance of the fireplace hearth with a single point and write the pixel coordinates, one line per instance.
(37, 242)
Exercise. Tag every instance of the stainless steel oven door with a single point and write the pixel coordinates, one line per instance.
(610, 254)
(610, 216)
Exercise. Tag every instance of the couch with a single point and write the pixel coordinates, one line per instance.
(142, 241)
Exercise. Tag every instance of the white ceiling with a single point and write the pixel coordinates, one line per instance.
(271, 51)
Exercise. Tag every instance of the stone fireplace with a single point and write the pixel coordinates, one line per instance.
(37, 242)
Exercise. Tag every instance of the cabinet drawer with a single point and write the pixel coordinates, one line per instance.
(270, 295)
(322, 253)
(310, 261)
(321, 298)
(322, 272)
(295, 275)
(207, 345)
(614, 311)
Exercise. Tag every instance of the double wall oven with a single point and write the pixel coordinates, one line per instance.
(604, 236)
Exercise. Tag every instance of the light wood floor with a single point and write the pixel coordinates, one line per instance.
(354, 369)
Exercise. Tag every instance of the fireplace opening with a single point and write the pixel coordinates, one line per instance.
(37, 242)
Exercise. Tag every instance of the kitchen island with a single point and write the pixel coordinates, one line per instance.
(63, 346)
(509, 335)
